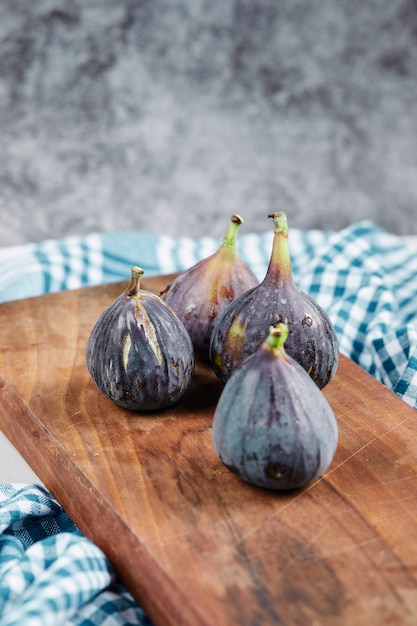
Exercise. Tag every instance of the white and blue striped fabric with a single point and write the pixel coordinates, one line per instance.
(363, 276)
(51, 575)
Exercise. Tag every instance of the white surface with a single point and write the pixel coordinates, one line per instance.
(411, 240)
(13, 468)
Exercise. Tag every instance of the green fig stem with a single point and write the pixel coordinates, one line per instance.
(280, 262)
(133, 288)
(229, 239)
(276, 339)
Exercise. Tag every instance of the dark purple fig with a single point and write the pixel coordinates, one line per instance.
(273, 426)
(201, 293)
(139, 353)
(312, 340)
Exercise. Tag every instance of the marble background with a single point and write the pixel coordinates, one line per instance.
(170, 115)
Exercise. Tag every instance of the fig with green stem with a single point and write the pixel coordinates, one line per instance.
(273, 426)
(312, 340)
(201, 293)
(139, 353)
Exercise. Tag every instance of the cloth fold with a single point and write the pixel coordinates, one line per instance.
(50, 574)
(363, 276)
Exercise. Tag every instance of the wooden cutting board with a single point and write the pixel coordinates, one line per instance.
(194, 544)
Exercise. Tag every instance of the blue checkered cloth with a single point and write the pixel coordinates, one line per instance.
(50, 574)
(363, 276)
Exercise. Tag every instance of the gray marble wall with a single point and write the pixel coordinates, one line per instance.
(169, 115)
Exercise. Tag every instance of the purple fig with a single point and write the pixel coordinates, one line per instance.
(139, 353)
(273, 426)
(201, 293)
(312, 340)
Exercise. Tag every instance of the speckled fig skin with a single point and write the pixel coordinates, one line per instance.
(201, 293)
(273, 426)
(239, 331)
(139, 354)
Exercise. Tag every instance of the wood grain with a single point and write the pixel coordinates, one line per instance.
(193, 543)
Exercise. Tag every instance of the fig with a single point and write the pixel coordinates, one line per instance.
(201, 293)
(272, 426)
(139, 353)
(239, 331)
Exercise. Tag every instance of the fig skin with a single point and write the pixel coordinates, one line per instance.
(242, 327)
(273, 426)
(201, 293)
(139, 354)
